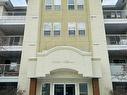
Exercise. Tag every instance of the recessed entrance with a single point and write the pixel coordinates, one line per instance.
(64, 89)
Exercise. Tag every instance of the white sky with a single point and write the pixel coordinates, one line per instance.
(109, 2)
(23, 3)
(18, 2)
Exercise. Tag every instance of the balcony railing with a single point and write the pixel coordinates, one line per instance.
(118, 69)
(14, 13)
(9, 69)
(11, 40)
(115, 14)
(116, 39)
(13, 18)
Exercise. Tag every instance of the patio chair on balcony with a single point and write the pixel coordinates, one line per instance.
(118, 15)
(113, 15)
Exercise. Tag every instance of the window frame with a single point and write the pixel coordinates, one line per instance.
(55, 8)
(50, 24)
(83, 4)
(70, 5)
(87, 88)
(57, 29)
(81, 29)
(48, 5)
(69, 24)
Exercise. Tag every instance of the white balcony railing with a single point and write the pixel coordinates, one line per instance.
(13, 18)
(118, 69)
(9, 69)
(11, 40)
(115, 14)
(116, 39)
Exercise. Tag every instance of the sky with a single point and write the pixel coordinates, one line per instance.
(23, 3)
(18, 2)
(109, 2)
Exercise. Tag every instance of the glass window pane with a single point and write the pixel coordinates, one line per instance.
(46, 89)
(57, 26)
(71, 7)
(72, 26)
(48, 2)
(83, 90)
(47, 29)
(47, 26)
(70, 89)
(58, 89)
(57, 2)
(70, 2)
(81, 32)
(81, 26)
(80, 7)
(57, 7)
(80, 2)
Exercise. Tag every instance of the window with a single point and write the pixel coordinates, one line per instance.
(80, 4)
(47, 29)
(71, 5)
(48, 4)
(71, 28)
(57, 4)
(81, 28)
(83, 90)
(46, 89)
(56, 29)
(58, 89)
(64, 89)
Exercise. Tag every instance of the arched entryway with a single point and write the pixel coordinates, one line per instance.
(64, 81)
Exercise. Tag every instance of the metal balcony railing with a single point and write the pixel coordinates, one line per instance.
(14, 13)
(9, 69)
(11, 40)
(118, 69)
(116, 39)
(115, 14)
(13, 18)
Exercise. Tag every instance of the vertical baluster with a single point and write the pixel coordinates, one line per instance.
(4, 68)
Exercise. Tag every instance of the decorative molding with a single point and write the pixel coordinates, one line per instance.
(33, 58)
(95, 59)
(47, 52)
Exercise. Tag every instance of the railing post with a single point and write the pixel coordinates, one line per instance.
(4, 69)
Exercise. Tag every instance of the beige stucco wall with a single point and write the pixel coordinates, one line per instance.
(99, 47)
(64, 16)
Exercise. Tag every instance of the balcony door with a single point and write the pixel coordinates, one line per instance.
(64, 89)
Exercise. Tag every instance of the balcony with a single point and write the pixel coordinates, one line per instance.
(9, 70)
(9, 18)
(119, 71)
(117, 42)
(115, 16)
(11, 43)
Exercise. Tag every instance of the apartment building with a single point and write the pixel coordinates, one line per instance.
(115, 19)
(12, 23)
(70, 47)
(64, 49)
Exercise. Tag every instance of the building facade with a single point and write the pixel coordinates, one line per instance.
(12, 22)
(70, 47)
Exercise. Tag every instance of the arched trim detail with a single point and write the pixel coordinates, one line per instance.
(47, 52)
